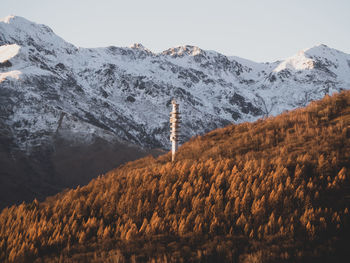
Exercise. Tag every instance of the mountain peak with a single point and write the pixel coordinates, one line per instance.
(181, 51)
(17, 27)
(17, 20)
(23, 32)
(321, 50)
(318, 47)
(137, 46)
(305, 59)
(7, 19)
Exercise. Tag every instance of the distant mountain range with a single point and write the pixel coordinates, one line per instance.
(59, 102)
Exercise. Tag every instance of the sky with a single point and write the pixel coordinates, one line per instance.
(259, 30)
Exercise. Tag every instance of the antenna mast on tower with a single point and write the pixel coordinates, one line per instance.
(175, 127)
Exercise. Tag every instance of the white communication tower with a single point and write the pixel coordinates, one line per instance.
(175, 127)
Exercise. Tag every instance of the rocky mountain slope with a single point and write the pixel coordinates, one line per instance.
(52, 91)
(49, 86)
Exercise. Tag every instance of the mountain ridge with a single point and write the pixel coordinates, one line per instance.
(196, 69)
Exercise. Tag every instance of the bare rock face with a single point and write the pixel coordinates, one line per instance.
(63, 107)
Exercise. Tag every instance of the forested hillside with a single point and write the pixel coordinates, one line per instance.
(276, 190)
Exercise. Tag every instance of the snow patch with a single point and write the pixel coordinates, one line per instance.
(8, 51)
(297, 62)
(11, 74)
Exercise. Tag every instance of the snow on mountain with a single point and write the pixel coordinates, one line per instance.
(125, 93)
(8, 51)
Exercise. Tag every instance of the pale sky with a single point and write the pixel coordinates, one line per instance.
(260, 30)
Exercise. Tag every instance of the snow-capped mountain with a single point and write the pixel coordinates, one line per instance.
(53, 93)
(49, 86)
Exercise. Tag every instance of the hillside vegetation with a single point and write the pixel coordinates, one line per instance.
(276, 190)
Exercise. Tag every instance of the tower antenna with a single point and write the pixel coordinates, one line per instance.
(175, 127)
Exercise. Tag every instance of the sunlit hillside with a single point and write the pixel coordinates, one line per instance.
(276, 190)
